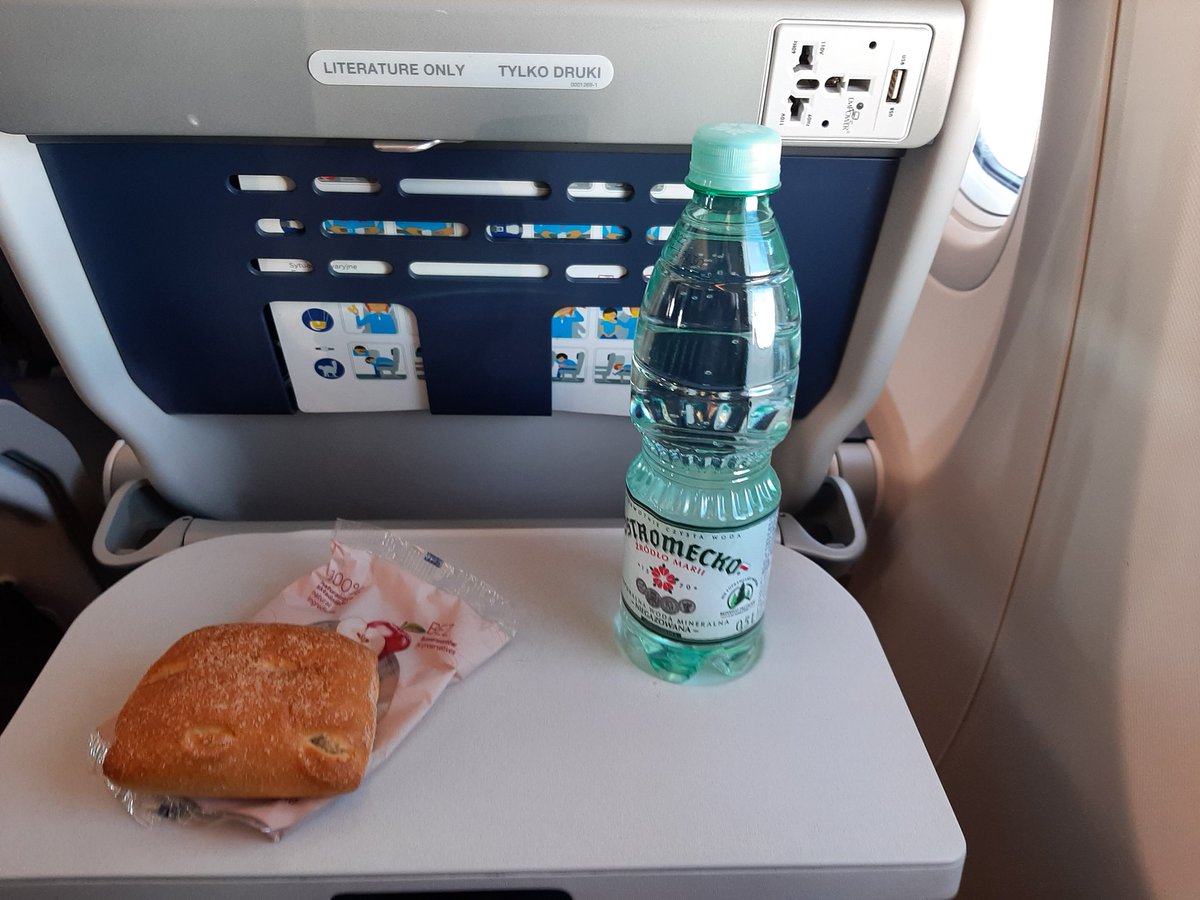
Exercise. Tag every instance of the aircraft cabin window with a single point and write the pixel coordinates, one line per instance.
(1010, 111)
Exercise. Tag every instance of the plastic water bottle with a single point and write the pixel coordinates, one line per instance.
(713, 386)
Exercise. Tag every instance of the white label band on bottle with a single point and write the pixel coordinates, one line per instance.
(420, 68)
(695, 584)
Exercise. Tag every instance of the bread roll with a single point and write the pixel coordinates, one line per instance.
(250, 710)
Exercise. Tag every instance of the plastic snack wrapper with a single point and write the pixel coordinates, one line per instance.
(428, 622)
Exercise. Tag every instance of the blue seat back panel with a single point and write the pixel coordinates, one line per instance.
(168, 244)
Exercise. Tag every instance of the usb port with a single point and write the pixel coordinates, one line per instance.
(896, 85)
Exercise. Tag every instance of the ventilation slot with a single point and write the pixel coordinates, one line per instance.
(477, 270)
(595, 273)
(281, 266)
(390, 228)
(461, 187)
(670, 192)
(360, 267)
(599, 190)
(279, 226)
(558, 232)
(345, 184)
(256, 184)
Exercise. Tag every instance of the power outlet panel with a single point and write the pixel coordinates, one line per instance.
(845, 82)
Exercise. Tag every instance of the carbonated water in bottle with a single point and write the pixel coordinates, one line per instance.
(713, 385)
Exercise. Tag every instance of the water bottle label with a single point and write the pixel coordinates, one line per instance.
(695, 584)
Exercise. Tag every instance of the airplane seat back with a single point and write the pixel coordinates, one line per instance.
(289, 314)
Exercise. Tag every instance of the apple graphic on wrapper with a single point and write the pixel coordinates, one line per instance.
(383, 638)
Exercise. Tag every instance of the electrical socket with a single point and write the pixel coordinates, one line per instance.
(845, 82)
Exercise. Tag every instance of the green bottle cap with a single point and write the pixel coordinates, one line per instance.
(735, 158)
